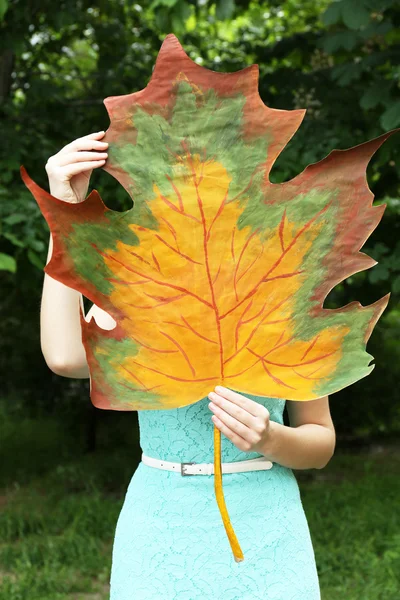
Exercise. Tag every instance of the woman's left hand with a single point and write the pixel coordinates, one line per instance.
(245, 422)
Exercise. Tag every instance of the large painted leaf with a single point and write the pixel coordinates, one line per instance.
(216, 275)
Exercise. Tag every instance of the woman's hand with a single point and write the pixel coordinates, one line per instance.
(70, 169)
(245, 422)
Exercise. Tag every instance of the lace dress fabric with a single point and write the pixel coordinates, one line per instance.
(170, 542)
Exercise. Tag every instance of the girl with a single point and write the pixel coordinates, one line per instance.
(169, 540)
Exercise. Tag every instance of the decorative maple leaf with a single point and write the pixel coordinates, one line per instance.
(216, 275)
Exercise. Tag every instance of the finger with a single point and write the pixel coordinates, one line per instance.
(236, 411)
(233, 424)
(94, 134)
(237, 440)
(77, 168)
(254, 408)
(85, 143)
(73, 157)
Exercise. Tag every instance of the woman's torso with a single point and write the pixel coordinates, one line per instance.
(186, 434)
(170, 541)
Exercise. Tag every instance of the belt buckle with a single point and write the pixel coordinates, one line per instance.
(183, 466)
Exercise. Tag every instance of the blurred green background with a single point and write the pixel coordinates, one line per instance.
(65, 465)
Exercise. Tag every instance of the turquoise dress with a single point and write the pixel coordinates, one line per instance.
(170, 542)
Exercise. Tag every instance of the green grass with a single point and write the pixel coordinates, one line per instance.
(352, 507)
(59, 511)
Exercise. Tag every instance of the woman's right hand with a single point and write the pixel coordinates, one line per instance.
(70, 169)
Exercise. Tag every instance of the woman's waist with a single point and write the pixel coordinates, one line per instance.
(188, 455)
(233, 472)
(208, 468)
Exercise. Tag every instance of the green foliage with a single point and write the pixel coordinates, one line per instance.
(391, 116)
(3, 8)
(355, 531)
(7, 263)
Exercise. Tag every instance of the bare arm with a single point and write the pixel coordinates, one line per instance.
(60, 329)
(309, 442)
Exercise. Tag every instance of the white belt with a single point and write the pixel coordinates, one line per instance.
(192, 468)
